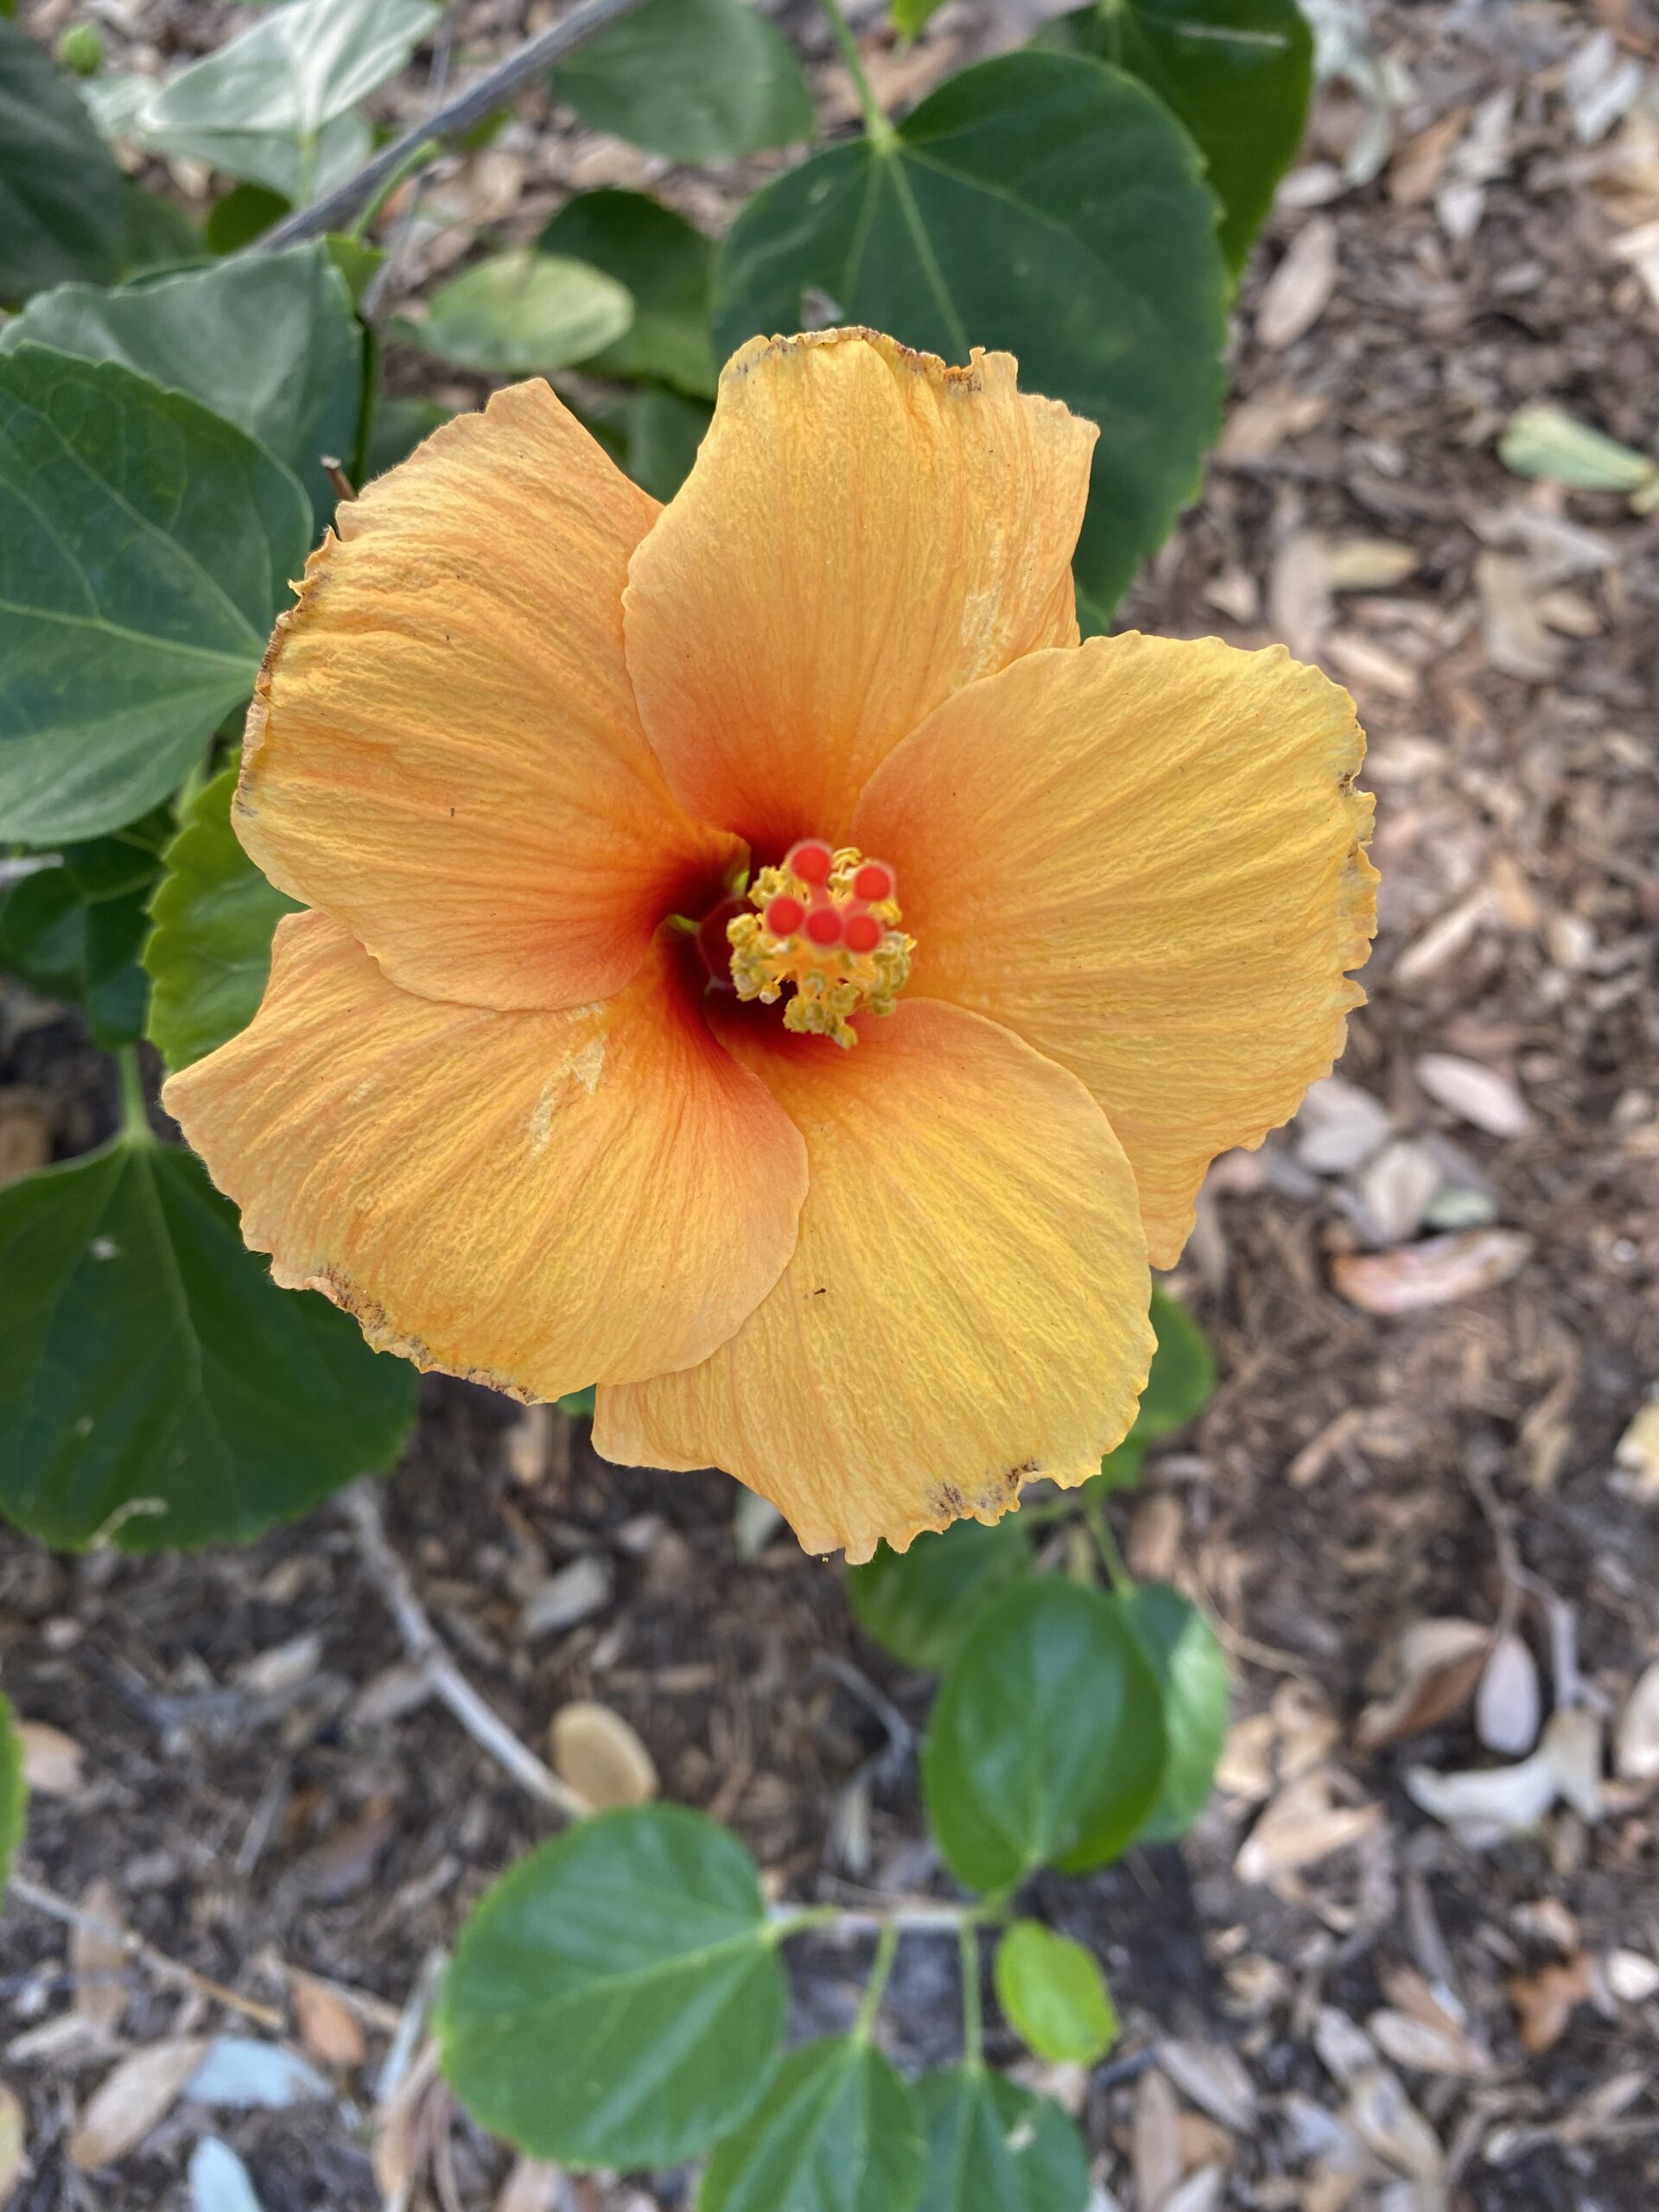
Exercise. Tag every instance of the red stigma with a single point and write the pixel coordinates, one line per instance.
(823, 925)
(785, 915)
(873, 881)
(812, 862)
(863, 931)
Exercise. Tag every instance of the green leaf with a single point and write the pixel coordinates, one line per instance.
(270, 342)
(75, 931)
(699, 80)
(1183, 1377)
(156, 235)
(579, 1404)
(839, 2131)
(1046, 1744)
(156, 1386)
(920, 1604)
(664, 263)
(522, 312)
(1193, 1668)
(1120, 1470)
(274, 104)
(399, 426)
(616, 1997)
(909, 15)
(993, 2146)
(62, 199)
(246, 212)
(145, 549)
(1238, 74)
(1040, 202)
(14, 1791)
(1053, 1995)
(653, 433)
(209, 953)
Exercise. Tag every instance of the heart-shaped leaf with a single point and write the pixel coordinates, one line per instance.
(76, 930)
(1043, 203)
(1193, 1668)
(269, 342)
(1053, 1995)
(62, 199)
(521, 313)
(1045, 1744)
(215, 914)
(839, 2131)
(145, 549)
(699, 80)
(1239, 73)
(993, 2146)
(920, 1603)
(663, 264)
(616, 1998)
(156, 1388)
(1183, 1377)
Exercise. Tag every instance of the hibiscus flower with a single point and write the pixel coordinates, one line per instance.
(756, 958)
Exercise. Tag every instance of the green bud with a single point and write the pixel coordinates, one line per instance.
(80, 48)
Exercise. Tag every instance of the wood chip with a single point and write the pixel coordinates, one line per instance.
(1437, 1272)
(1299, 291)
(137, 2097)
(1424, 2047)
(97, 1963)
(52, 1761)
(598, 1754)
(1369, 563)
(328, 2028)
(1258, 426)
(1544, 2002)
(1299, 1828)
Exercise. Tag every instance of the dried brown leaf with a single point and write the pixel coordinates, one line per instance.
(52, 1761)
(1258, 426)
(1478, 1094)
(598, 1754)
(328, 2027)
(1157, 2142)
(1460, 1264)
(1544, 2002)
(534, 2186)
(97, 1963)
(1299, 291)
(1438, 1663)
(137, 2097)
(1299, 1828)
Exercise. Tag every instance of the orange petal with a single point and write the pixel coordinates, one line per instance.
(1146, 856)
(865, 530)
(966, 1306)
(531, 1199)
(443, 749)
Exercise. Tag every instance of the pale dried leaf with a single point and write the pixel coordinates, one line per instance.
(1199, 2192)
(573, 1594)
(1573, 1745)
(1636, 1744)
(218, 2180)
(1245, 1768)
(137, 2097)
(527, 1445)
(1299, 291)
(1544, 2002)
(597, 1753)
(1425, 2047)
(1299, 593)
(52, 1761)
(1637, 1453)
(1437, 1663)
(1369, 667)
(1213, 2077)
(1508, 1704)
(13, 2155)
(1157, 2142)
(284, 1668)
(97, 1962)
(400, 2132)
(1475, 1094)
(1460, 1264)
(1515, 639)
(1344, 2050)
(1398, 1187)
(1386, 2121)
(1369, 563)
(1482, 1805)
(1308, 1729)
(1414, 172)
(243, 2073)
(1632, 1976)
(534, 2186)
(1299, 1828)
(1338, 1126)
(328, 2027)
(1258, 426)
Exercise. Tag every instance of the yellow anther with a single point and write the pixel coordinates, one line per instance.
(839, 951)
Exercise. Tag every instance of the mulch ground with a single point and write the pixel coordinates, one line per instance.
(263, 1794)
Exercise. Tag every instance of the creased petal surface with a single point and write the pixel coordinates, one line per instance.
(532, 1199)
(865, 530)
(966, 1306)
(443, 749)
(1146, 857)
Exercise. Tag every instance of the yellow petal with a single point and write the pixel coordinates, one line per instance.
(1146, 857)
(532, 1199)
(865, 530)
(444, 751)
(966, 1306)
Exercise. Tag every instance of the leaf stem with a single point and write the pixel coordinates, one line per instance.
(1100, 1528)
(973, 2016)
(880, 132)
(135, 1113)
(875, 1988)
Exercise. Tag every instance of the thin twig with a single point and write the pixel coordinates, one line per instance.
(170, 1971)
(493, 89)
(486, 1727)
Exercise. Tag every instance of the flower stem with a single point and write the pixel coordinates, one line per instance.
(973, 2022)
(135, 1113)
(875, 1988)
(877, 129)
(1100, 1528)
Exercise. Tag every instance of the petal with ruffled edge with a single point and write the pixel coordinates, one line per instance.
(1146, 856)
(966, 1306)
(531, 1199)
(864, 531)
(443, 749)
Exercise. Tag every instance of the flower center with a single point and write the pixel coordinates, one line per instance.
(828, 925)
